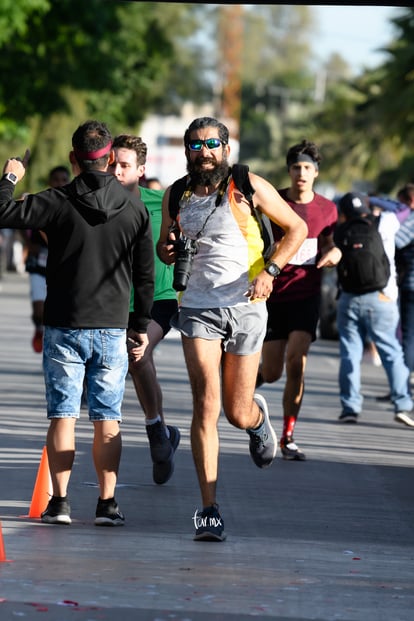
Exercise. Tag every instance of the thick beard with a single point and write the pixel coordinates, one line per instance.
(207, 177)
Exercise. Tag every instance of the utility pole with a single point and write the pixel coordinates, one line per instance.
(230, 46)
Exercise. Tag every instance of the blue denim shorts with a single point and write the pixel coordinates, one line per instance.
(98, 356)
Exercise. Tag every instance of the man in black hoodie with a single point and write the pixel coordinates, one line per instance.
(100, 244)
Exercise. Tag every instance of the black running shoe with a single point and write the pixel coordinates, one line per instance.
(209, 525)
(162, 450)
(290, 450)
(108, 513)
(348, 417)
(57, 511)
(384, 398)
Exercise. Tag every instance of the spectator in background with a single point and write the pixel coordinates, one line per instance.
(373, 314)
(3, 250)
(153, 183)
(401, 207)
(404, 241)
(36, 259)
(12, 244)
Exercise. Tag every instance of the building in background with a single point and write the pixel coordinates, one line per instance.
(164, 138)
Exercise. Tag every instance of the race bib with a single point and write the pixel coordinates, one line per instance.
(306, 255)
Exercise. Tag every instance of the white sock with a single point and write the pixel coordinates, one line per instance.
(152, 421)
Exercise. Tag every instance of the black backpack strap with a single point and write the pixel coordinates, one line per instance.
(240, 174)
(176, 192)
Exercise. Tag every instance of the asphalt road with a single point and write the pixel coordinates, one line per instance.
(331, 538)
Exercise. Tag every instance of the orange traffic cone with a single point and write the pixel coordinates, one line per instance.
(3, 558)
(43, 490)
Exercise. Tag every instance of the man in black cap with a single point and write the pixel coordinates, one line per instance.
(367, 305)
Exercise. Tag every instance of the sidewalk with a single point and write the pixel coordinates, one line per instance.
(330, 539)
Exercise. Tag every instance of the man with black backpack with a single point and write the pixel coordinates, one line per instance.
(215, 241)
(367, 305)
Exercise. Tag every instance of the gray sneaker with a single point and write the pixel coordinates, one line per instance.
(263, 441)
(162, 450)
(405, 418)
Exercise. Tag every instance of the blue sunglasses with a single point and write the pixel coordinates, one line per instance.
(210, 143)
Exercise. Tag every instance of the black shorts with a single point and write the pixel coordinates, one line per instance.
(162, 311)
(286, 317)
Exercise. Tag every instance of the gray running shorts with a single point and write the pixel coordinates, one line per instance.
(241, 328)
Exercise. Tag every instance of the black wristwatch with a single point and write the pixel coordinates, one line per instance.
(11, 177)
(272, 268)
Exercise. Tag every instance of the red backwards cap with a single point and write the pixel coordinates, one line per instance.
(93, 155)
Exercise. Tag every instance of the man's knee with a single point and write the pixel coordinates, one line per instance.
(240, 414)
(271, 374)
(295, 367)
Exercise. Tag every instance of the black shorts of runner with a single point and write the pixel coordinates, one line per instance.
(162, 311)
(286, 317)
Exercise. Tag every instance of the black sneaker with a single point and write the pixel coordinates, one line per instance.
(162, 450)
(384, 398)
(348, 417)
(263, 441)
(57, 511)
(209, 525)
(290, 450)
(108, 513)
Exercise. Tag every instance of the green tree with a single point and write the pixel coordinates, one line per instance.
(277, 42)
(15, 16)
(277, 80)
(111, 60)
(366, 123)
(111, 51)
(391, 96)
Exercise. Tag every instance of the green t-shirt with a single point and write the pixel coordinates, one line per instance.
(163, 273)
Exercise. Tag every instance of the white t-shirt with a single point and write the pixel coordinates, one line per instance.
(387, 228)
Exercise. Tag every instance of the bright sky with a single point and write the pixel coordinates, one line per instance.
(355, 32)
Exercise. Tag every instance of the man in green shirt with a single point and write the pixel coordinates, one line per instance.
(129, 166)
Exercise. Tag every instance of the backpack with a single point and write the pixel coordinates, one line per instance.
(240, 175)
(364, 266)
